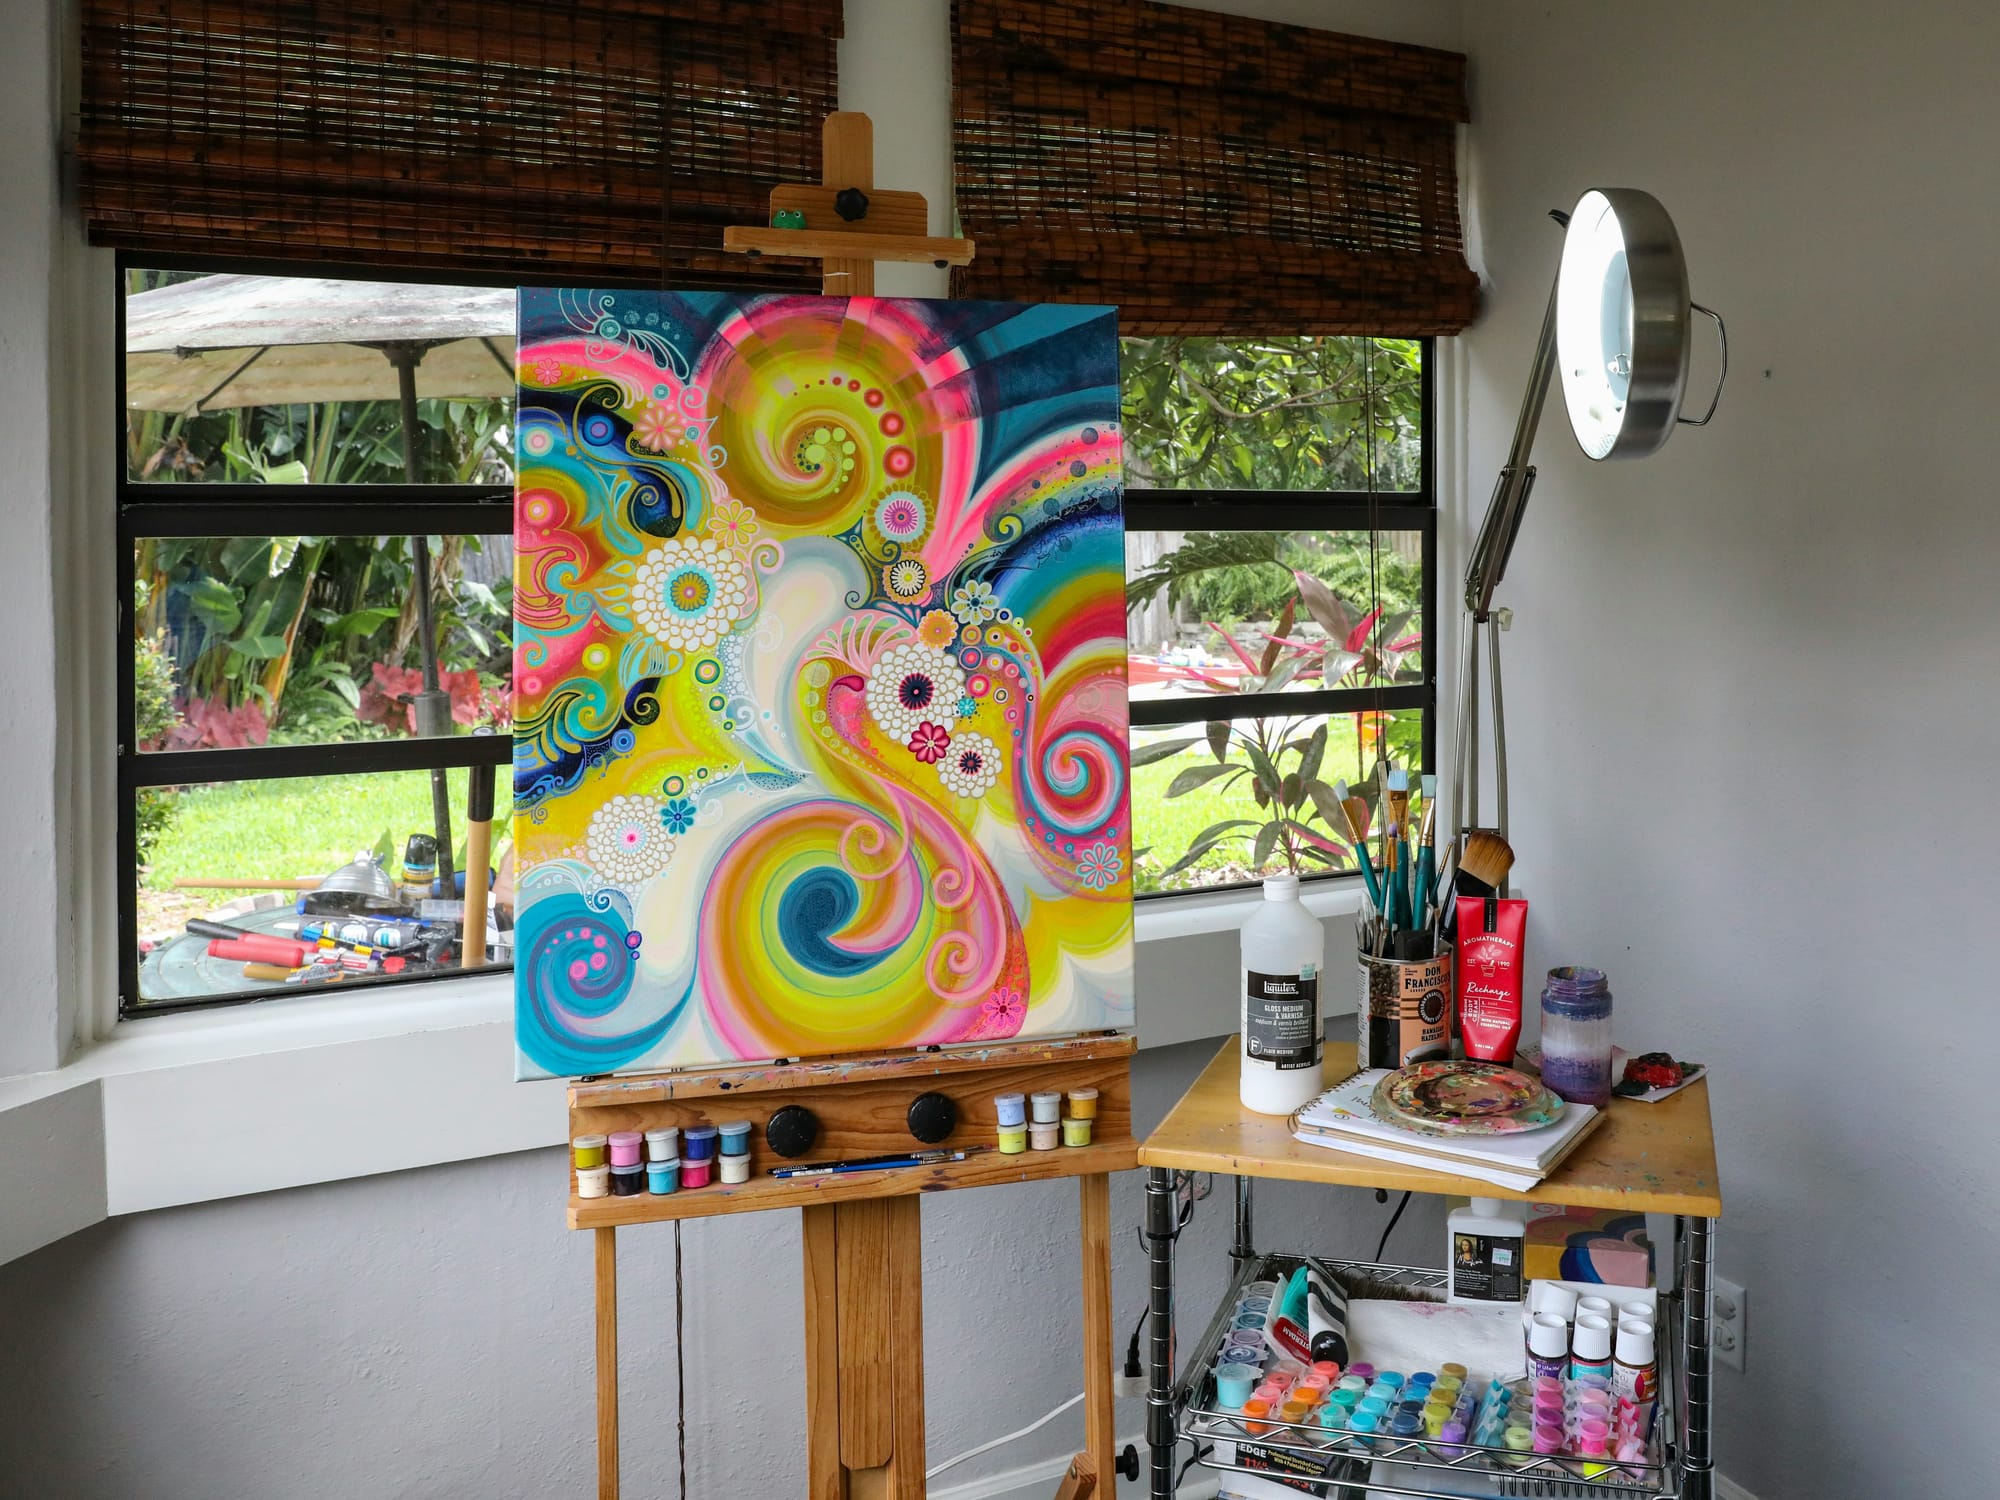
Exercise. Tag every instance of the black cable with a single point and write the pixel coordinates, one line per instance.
(1193, 1458)
(1133, 1368)
(1382, 1245)
(680, 1366)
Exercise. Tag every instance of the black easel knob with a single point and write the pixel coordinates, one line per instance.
(851, 204)
(792, 1130)
(932, 1117)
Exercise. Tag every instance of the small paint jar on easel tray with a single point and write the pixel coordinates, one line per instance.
(1047, 1108)
(587, 1151)
(733, 1140)
(1011, 1110)
(1012, 1139)
(1083, 1104)
(1076, 1132)
(593, 1182)
(663, 1177)
(626, 1146)
(663, 1144)
(1045, 1135)
(628, 1181)
(697, 1155)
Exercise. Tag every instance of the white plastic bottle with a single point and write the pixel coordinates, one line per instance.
(1488, 1242)
(1284, 950)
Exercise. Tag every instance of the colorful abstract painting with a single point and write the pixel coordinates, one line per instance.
(820, 724)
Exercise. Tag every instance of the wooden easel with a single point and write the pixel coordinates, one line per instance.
(862, 1232)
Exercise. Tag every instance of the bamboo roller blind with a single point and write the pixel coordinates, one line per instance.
(517, 137)
(1206, 173)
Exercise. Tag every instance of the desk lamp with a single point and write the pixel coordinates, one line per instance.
(1617, 327)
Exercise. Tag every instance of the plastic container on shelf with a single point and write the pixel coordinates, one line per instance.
(1284, 954)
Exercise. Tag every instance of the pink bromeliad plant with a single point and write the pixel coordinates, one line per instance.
(1280, 757)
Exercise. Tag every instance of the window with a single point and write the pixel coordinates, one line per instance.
(303, 725)
(1280, 562)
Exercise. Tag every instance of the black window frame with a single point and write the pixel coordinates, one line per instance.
(1307, 510)
(150, 509)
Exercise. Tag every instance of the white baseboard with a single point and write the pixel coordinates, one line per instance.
(1037, 1481)
(1728, 1489)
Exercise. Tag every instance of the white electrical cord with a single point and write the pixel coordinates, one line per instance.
(957, 1459)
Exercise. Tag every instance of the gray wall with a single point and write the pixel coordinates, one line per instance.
(429, 1333)
(1754, 679)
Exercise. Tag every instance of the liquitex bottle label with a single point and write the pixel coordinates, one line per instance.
(1282, 1019)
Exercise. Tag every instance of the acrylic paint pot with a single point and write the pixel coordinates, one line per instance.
(1597, 1307)
(1405, 1010)
(1333, 1417)
(1047, 1108)
(1083, 1104)
(1045, 1135)
(697, 1144)
(664, 1144)
(1076, 1132)
(587, 1151)
(733, 1137)
(626, 1181)
(736, 1168)
(626, 1146)
(1254, 1410)
(593, 1182)
(1012, 1109)
(1012, 1139)
(663, 1177)
(695, 1173)
(1234, 1383)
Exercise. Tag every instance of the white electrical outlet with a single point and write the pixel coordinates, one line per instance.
(1730, 1328)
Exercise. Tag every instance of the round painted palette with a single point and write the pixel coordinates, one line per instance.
(1465, 1098)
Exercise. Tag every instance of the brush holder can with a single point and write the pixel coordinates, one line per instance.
(1404, 1015)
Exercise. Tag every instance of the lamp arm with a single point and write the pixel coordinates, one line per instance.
(1495, 543)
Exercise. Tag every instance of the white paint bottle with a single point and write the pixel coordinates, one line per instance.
(1284, 952)
(1488, 1244)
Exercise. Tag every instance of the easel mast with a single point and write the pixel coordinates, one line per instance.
(862, 1232)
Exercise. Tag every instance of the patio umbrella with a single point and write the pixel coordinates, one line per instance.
(229, 341)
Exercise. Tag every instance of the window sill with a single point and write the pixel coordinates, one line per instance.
(285, 1093)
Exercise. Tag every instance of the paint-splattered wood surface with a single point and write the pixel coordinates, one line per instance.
(911, 1064)
(1657, 1158)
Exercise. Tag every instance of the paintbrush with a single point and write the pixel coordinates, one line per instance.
(1354, 812)
(1426, 854)
(1483, 864)
(1404, 909)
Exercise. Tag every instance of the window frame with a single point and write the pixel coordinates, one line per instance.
(146, 509)
(1308, 510)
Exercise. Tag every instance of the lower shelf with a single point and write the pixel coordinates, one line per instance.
(1424, 1467)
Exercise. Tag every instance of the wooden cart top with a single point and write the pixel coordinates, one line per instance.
(1657, 1158)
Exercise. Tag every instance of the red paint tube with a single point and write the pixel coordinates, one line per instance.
(257, 947)
(1489, 975)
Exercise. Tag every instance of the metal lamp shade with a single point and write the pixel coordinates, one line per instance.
(1622, 316)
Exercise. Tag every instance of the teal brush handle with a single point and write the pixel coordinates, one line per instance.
(1421, 895)
(1368, 874)
(1400, 896)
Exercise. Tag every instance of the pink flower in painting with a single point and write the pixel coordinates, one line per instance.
(657, 427)
(929, 743)
(548, 370)
(1099, 865)
(1004, 1011)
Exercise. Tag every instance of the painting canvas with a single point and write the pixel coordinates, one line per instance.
(820, 727)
